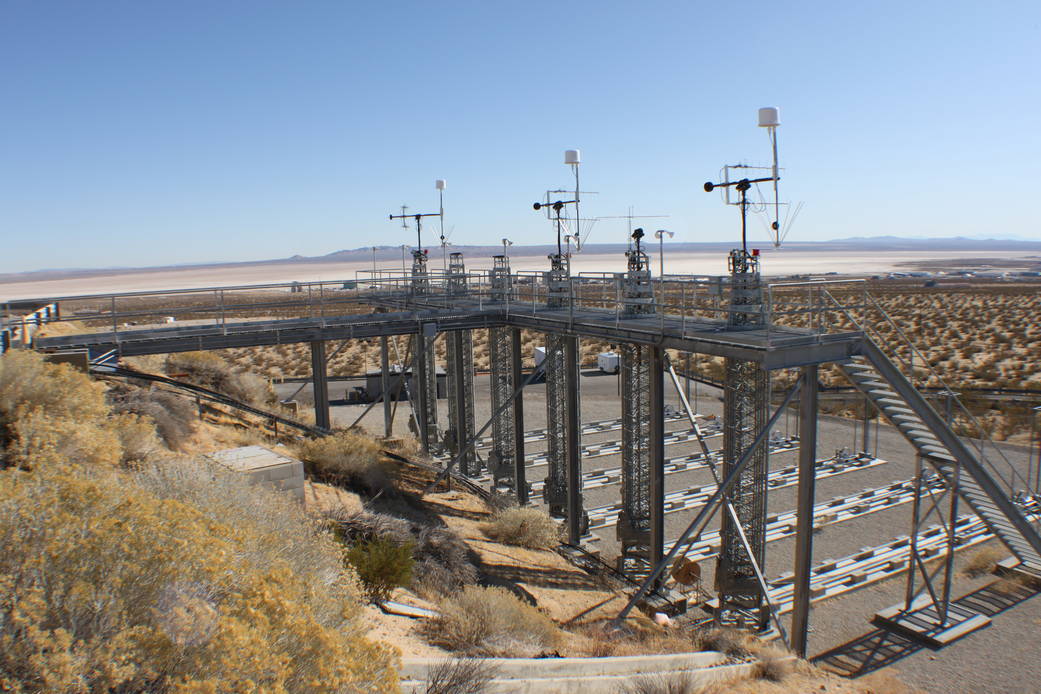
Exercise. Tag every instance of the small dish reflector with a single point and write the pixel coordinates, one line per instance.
(441, 184)
(572, 156)
(769, 117)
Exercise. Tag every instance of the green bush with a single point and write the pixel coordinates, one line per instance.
(442, 563)
(382, 565)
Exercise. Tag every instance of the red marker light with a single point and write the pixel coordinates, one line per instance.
(755, 252)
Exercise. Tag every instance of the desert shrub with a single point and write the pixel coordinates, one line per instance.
(348, 459)
(674, 683)
(525, 527)
(40, 439)
(773, 667)
(28, 382)
(460, 676)
(491, 621)
(107, 587)
(728, 641)
(173, 415)
(983, 562)
(210, 370)
(442, 563)
(137, 438)
(382, 565)
(52, 414)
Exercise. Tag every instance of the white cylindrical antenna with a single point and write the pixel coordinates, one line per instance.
(769, 117)
(572, 157)
(441, 184)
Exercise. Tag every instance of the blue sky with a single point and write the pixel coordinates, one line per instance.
(146, 132)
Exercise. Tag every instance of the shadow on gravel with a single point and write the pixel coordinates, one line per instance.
(879, 648)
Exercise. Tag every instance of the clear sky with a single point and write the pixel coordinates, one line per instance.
(146, 132)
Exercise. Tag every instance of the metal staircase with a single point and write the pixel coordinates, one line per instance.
(990, 488)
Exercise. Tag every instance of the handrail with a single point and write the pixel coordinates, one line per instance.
(983, 436)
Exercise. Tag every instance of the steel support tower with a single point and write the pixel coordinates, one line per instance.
(460, 378)
(746, 401)
(507, 433)
(424, 363)
(563, 428)
(634, 521)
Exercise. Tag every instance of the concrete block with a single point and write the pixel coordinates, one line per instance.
(264, 467)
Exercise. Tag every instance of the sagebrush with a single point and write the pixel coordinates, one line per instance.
(347, 459)
(524, 526)
(491, 621)
(106, 587)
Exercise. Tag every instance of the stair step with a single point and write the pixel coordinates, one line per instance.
(910, 417)
(881, 393)
(892, 402)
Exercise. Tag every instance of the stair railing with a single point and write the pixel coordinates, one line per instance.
(1013, 480)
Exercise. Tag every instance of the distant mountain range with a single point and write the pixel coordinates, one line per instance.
(385, 253)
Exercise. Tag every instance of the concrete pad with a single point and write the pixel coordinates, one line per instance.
(582, 675)
(921, 622)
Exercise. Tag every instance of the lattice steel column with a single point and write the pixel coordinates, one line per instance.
(424, 382)
(561, 392)
(425, 390)
(634, 521)
(460, 377)
(745, 402)
(502, 458)
(420, 276)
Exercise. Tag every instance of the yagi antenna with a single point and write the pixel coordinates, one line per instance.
(769, 118)
(572, 158)
(440, 184)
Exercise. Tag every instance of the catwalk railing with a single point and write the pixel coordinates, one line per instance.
(696, 303)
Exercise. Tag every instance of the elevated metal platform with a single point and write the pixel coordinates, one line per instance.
(775, 347)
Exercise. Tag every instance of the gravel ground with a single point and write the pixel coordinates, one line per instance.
(1001, 658)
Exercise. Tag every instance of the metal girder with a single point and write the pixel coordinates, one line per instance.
(804, 519)
(320, 385)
